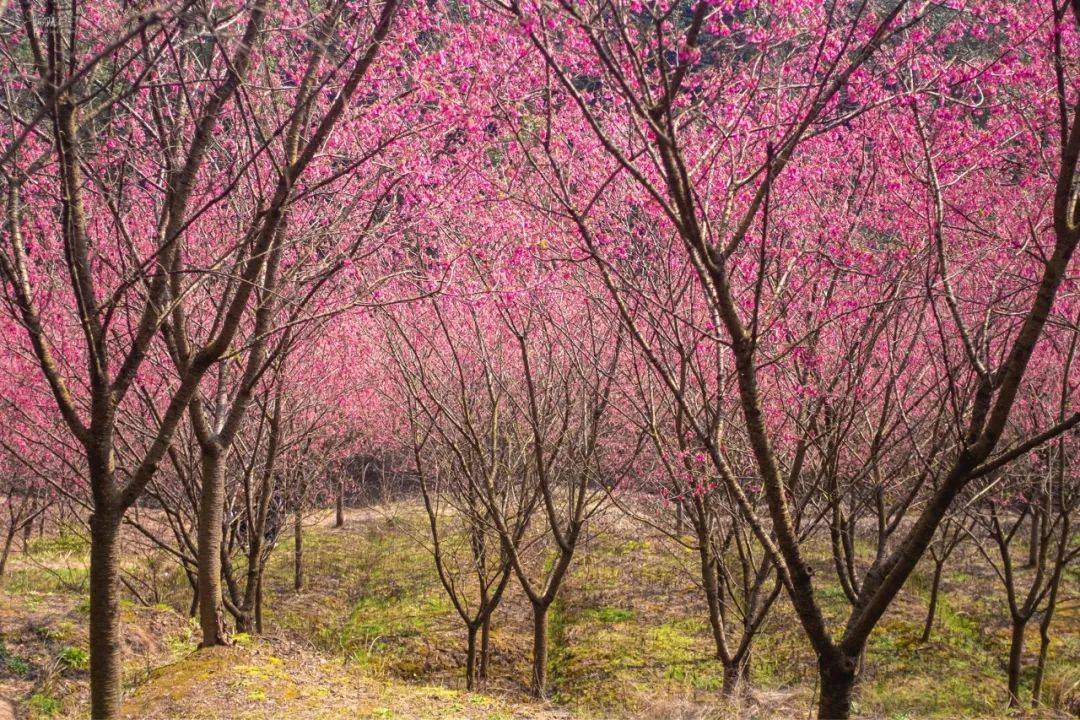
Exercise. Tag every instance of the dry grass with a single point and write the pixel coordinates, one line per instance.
(373, 636)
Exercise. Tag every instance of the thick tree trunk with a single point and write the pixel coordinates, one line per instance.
(539, 659)
(211, 510)
(470, 659)
(105, 668)
(736, 676)
(837, 679)
(298, 551)
(935, 586)
(245, 621)
(1016, 654)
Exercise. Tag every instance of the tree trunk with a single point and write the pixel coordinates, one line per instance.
(1040, 667)
(27, 531)
(736, 676)
(470, 659)
(935, 585)
(245, 621)
(1016, 654)
(485, 648)
(837, 679)
(539, 669)
(298, 551)
(712, 597)
(9, 540)
(339, 519)
(258, 606)
(105, 670)
(211, 510)
(1033, 539)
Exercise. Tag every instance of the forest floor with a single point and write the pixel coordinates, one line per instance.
(372, 635)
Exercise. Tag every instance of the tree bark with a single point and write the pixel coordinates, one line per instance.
(211, 510)
(105, 661)
(485, 648)
(1016, 654)
(298, 551)
(1033, 539)
(470, 660)
(736, 676)
(935, 586)
(712, 599)
(9, 540)
(339, 519)
(837, 680)
(258, 606)
(539, 669)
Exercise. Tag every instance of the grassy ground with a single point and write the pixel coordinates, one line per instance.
(373, 636)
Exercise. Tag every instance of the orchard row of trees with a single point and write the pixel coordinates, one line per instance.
(761, 275)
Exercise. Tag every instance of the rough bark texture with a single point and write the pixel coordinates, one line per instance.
(470, 660)
(539, 671)
(211, 508)
(837, 681)
(1016, 654)
(736, 676)
(105, 671)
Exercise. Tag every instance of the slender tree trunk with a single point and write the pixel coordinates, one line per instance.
(712, 599)
(252, 579)
(1047, 618)
(339, 520)
(485, 648)
(27, 531)
(1040, 667)
(1033, 539)
(1016, 655)
(105, 660)
(211, 510)
(9, 540)
(837, 680)
(540, 642)
(259, 606)
(935, 586)
(470, 659)
(298, 551)
(193, 583)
